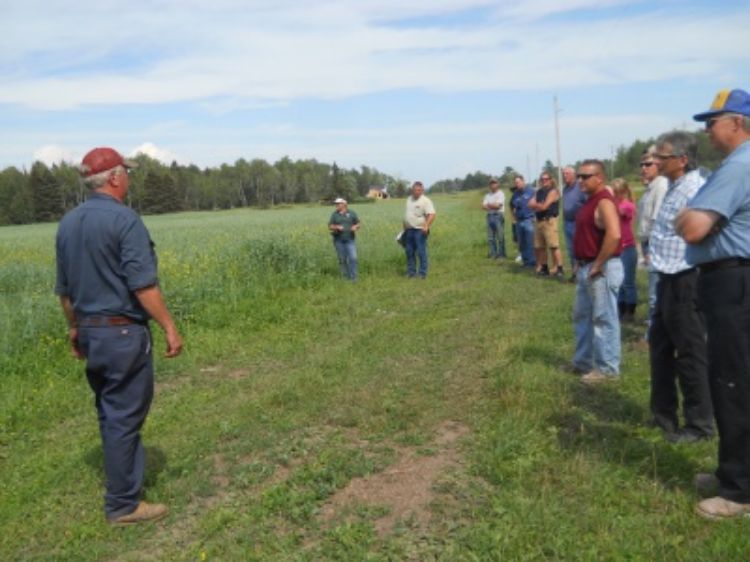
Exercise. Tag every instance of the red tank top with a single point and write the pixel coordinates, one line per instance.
(588, 237)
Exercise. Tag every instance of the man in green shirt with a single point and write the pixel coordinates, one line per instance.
(344, 225)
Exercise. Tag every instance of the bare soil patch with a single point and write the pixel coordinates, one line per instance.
(406, 488)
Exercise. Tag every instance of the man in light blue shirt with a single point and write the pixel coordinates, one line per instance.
(716, 226)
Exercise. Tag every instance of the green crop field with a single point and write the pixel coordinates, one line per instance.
(315, 419)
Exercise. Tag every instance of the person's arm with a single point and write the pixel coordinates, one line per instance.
(333, 226)
(356, 225)
(428, 222)
(152, 300)
(610, 222)
(551, 198)
(695, 224)
(70, 317)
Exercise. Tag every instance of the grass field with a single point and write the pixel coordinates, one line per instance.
(314, 419)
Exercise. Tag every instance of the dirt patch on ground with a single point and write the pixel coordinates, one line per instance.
(406, 488)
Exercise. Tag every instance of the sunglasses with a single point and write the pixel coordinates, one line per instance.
(584, 176)
(665, 156)
(647, 164)
(545, 179)
(711, 122)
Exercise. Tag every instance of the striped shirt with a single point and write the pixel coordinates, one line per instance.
(666, 248)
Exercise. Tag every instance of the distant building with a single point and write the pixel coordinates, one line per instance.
(378, 192)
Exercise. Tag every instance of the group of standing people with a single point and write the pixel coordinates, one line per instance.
(697, 242)
(695, 236)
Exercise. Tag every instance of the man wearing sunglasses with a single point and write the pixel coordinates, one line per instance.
(716, 226)
(648, 208)
(597, 245)
(677, 336)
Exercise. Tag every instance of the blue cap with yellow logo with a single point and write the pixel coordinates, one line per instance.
(727, 101)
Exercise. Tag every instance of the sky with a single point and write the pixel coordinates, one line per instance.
(420, 89)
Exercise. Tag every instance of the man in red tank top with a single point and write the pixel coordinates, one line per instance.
(597, 245)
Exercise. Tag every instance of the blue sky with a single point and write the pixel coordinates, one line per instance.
(419, 89)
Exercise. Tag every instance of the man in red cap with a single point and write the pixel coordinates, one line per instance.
(108, 288)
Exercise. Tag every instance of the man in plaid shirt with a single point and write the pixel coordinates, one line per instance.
(677, 339)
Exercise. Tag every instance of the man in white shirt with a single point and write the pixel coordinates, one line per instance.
(494, 204)
(420, 212)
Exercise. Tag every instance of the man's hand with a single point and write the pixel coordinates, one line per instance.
(174, 344)
(75, 351)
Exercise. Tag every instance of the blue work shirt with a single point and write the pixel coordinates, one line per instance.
(573, 199)
(519, 203)
(104, 254)
(727, 192)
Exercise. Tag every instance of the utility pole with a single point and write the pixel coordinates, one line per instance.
(557, 111)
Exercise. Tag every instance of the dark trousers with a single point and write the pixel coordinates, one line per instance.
(119, 368)
(724, 296)
(677, 341)
(416, 246)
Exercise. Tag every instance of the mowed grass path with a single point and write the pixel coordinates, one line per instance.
(296, 386)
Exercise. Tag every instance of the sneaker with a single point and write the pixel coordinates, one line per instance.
(519, 259)
(559, 274)
(706, 484)
(573, 369)
(596, 377)
(720, 508)
(144, 512)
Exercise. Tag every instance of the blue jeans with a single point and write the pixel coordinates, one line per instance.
(119, 368)
(525, 231)
(597, 327)
(569, 228)
(416, 246)
(347, 254)
(628, 293)
(496, 235)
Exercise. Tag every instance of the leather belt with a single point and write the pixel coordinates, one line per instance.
(94, 321)
(724, 264)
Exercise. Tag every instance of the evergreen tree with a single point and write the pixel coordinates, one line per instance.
(46, 196)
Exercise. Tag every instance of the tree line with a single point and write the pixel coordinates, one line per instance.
(44, 194)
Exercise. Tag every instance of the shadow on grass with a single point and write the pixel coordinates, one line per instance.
(156, 463)
(607, 424)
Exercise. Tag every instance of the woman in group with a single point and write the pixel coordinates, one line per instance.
(628, 296)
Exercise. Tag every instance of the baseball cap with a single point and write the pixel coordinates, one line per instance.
(102, 159)
(340, 200)
(727, 101)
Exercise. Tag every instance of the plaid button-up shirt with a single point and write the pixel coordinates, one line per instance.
(666, 248)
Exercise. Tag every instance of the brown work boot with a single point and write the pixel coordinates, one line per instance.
(144, 512)
(721, 508)
(596, 377)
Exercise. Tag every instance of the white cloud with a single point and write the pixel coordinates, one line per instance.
(261, 52)
(151, 150)
(52, 154)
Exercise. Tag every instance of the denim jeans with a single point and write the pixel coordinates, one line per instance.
(597, 327)
(496, 235)
(416, 246)
(569, 228)
(525, 230)
(347, 253)
(628, 292)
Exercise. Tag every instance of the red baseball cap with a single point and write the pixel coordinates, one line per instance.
(102, 159)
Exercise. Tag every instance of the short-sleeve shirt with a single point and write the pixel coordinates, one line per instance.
(104, 254)
(347, 220)
(626, 210)
(417, 211)
(666, 248)
(496, 198)
(573, 199)
(726, 192)
(519, 203)
(649, 205)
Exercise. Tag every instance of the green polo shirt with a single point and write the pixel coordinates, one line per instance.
(347, 220)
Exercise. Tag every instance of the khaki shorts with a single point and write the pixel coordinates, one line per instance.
(545, 234)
